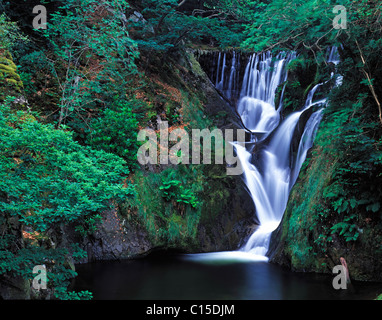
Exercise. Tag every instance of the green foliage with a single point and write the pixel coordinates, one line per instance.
(93, 56)
(9, 33)
(166, 27)
(340, 210)
(9, 77)
(174, 190)
(341, 185)
(20, 263)
(116, 130)
(348, 231)
(168, 188)
(308, 25)
(285, 23)
(356, 182)
(77, 252)
(168, 205)
(48, 179)
(89, 225)
(62, 294)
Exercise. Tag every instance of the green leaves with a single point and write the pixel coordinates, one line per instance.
(170, 203)
(165, 27)
(168, 188)
(50, 179)
(59, 275)
(116, 131)
(62, 294)
(173, 190)
(296, 24)
(47, 180)
(93, 57)
(9, 33)
(348, 231)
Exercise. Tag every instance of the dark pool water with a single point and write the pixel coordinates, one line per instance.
(176, 278)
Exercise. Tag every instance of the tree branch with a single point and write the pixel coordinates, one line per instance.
(182, 3)
(370, 83)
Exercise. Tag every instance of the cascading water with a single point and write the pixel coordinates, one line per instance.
(226, 74)
(262, 78)
(271, 177)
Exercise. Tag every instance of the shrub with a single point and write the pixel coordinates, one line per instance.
(48, 180)
(115, 131)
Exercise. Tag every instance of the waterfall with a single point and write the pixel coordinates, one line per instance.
(262, 77)
(232, 76)
(277, 168)
(226, 74)
(271, 176)
(221, 73)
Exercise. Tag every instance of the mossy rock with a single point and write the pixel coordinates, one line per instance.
(9, 78)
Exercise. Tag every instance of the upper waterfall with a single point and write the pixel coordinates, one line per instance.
(263, 75)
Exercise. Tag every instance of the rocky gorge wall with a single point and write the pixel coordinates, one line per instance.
(122, 233)
(304, 242)
(334, 209)
(224, 220)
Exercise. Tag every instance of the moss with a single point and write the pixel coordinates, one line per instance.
(7, 63)
(9, 77)
(14, 83)
(167, 222)
(195, 66)
(301, 226)
(302, 77)
(307, 242)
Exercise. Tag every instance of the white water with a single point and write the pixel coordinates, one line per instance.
(277, 168)
(257, 104)
(226, 81)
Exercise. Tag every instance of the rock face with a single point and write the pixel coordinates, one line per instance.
(299, 243)
(121, 237)
(233, 226)
(15, 289)
(118, 238)
(115, 239)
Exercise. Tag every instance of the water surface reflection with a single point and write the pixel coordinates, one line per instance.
(182, 278)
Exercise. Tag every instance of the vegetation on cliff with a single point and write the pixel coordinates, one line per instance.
(335, 208)
(74, 96)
